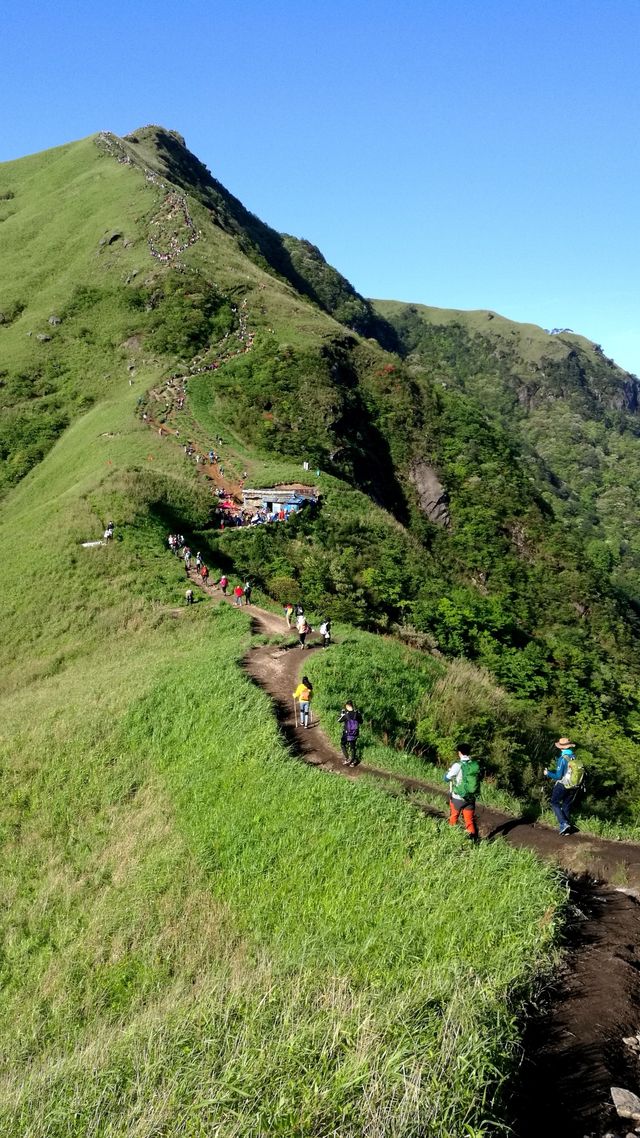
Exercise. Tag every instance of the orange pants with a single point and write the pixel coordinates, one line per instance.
(456, 808)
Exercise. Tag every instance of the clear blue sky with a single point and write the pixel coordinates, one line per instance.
(461, 154)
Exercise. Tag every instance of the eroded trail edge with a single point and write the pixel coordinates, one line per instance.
(574, 1048)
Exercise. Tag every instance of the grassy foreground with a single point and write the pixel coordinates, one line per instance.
(205, 937)
(200, 935)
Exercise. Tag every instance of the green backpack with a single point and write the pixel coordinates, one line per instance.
(471, 779)
(574, 775)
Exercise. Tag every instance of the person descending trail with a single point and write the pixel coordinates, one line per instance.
(303, 628)
(198, 562)
(238, 593)
(204, 573)
(568, 776)
(351, 719)
(188, 597)
(464, 778)
(224, 584)
(325, 632)
(304, 695)
(247, 592)
(288, 613)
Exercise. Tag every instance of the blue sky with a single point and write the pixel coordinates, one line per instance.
(468, 155)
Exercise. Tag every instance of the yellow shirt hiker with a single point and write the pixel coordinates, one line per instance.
(303, 695)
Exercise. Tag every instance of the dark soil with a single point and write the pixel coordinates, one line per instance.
(573, 1047)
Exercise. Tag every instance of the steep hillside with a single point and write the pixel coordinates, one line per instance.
(444, 515)
(200, 935)
(562, 399)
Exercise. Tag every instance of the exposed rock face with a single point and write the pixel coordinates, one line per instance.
(626, 1103)
(432, 496)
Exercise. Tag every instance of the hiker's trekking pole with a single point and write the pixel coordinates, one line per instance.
(295, 711)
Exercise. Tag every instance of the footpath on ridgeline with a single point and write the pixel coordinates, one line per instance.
(574, 1047)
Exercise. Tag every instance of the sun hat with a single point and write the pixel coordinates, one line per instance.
(564, 742)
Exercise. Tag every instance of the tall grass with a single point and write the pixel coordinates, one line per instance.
(246, 947)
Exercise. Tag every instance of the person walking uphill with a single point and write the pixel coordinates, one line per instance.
(568, 775)
(238, 593)
(351, 720)
(303, 694)
(303, 628)
(464, 777)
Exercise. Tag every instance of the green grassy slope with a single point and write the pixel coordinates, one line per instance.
(199, 934)
(520, 582)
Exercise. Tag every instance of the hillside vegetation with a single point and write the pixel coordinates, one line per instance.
(200, 935)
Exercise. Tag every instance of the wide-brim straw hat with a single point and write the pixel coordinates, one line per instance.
(564, 742)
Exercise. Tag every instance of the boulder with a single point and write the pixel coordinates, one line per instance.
(43, 338)
(54, 320)
(3, 318)
(626, 1103)
(432, 495)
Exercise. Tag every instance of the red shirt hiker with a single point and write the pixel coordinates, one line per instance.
(238, 593)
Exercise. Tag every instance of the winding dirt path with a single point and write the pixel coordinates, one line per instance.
(573, 1049)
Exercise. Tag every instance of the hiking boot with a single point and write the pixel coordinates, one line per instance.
(564, 831)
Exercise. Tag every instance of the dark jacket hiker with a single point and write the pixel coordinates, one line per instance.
(350, 719)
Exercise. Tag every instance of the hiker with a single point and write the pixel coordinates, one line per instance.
(325, 632)
(188, 596)
(238, 593)
(247, 592)
(204, 573)
(464, 779)
(303, 628)
(288, 613)
(198, 562)
(568, 776)
(351, 720)
(299, 609)
(303, 694)
(224, 584)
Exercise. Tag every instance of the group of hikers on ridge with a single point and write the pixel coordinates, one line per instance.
(465, 779)
(303, 628)
(464, 776)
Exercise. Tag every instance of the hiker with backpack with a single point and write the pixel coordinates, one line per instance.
(288, 613)
(303, 694)
(464, 778)
(303, 628)
(204, 573)
(568, 776)
(188, 597)
(325, 632)
(224, 584)
(351, 719)
(247, 592)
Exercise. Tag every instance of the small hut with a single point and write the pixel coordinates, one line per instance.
(279, 499)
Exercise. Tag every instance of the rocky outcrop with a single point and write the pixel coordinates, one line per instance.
(432, 495)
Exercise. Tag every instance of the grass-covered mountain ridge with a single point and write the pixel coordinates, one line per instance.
(476, 473)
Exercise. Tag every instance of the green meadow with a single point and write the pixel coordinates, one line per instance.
(200, 934)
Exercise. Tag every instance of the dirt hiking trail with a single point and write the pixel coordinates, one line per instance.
(574, 1049)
